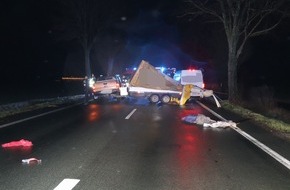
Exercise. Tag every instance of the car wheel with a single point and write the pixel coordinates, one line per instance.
(165, 98)
(154, 98)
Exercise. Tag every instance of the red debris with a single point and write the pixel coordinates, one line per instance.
(20, 143)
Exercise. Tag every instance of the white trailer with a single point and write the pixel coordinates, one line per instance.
(154, 95)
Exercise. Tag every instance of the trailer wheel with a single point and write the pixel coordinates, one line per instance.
(165, 98)
(154, 98)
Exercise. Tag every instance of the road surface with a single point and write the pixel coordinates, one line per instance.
(137, 145)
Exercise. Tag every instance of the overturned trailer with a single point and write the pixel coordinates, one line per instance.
(149, 82)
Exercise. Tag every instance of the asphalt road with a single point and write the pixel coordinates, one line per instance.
(136, 145)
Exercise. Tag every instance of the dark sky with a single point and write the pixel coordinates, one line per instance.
(24, 39)
(153, 31)
(30, 51)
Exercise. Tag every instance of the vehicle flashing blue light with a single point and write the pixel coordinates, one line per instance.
(177, 78)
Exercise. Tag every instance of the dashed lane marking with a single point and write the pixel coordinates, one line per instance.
(130, 114)
(262, 146)
(67, 184)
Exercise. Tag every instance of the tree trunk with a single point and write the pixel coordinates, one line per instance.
(87, 61)
(232, 79)
(232, 68)
(110, 66)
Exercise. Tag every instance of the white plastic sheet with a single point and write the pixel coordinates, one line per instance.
(207, 121)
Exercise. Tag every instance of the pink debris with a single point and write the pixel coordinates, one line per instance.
(22, 143)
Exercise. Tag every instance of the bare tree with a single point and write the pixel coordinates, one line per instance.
(110, 44)
(85, 21)
(241, 20)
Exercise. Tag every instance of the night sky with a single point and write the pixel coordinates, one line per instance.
(153, 31)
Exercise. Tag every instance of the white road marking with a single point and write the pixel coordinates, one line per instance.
(262, 146)
(130, 114)
(67, 184)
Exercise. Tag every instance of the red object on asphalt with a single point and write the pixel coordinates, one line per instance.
(19, 143)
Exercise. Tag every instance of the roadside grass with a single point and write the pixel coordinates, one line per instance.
(32, 105)
(27, 108)
(271, 123)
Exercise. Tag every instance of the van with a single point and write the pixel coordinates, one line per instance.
(194, 77)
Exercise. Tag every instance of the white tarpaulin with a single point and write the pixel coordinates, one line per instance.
(207, 121)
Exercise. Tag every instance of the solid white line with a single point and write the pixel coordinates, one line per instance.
(67, 184)
(262, 146)
(130, 114)
(36, 116)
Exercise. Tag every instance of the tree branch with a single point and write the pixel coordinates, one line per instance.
(201, 8)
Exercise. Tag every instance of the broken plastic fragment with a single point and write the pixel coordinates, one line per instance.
(207, 122)
(222, 124)
(19, 143)
(31, 161)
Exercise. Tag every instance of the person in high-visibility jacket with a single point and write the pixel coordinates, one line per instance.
(92, 81)
(86, 89)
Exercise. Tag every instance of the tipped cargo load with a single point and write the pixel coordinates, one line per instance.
(151, 83)
(148, 77)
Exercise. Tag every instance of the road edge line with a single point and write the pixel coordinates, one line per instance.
(259, 144)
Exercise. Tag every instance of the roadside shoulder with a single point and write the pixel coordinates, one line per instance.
(18, 110)
(274, 126)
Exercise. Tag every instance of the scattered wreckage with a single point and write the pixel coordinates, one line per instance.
(149, 82)
(205, 121)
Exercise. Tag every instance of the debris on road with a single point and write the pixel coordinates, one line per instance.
(221, 124)
(20, 143)
(198, 119)
(31, 161)
(155, 85)
(207, 121)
